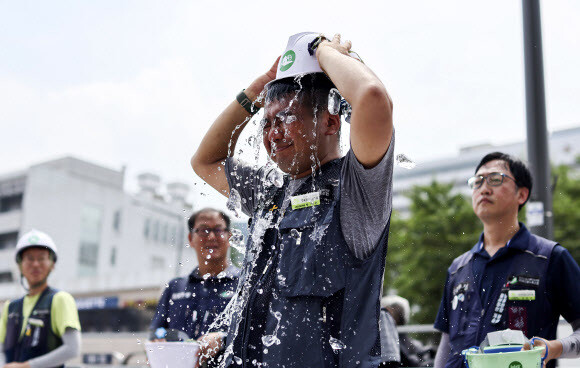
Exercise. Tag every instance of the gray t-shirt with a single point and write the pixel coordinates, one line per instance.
(366, 196)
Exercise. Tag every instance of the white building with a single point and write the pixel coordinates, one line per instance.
(563, 145)
(114, 248)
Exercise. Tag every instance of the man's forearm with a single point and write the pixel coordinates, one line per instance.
(222, 136)
(442, 351)
(571, 344)
(70, 348)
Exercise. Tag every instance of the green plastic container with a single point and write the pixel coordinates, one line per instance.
(517, 359)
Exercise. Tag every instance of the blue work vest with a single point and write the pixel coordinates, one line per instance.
(469, 322)
(38, 338)
(191, 303)
(304, 299)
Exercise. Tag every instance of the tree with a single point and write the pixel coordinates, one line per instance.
(441, 226)
(566, 208)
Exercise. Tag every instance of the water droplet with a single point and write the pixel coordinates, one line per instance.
(275, 178)
(260, 291)
(336, 344)
(237, 240)
(334, 101)
(295, 233)
(234, 202)
(238, 360)
(269, 340)
(206, 276)
(405, 162)
(168, 319)
(138, 341)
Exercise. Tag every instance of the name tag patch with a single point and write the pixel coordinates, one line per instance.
(522, 295)
(305, 200)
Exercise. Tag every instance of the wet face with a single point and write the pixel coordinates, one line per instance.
(210, 238)
(292, 135)
(36, 265)
(497, 202)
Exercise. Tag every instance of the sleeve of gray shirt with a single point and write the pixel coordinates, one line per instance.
(70, 348)
(366, 201)
(571, 344)
(442, 352)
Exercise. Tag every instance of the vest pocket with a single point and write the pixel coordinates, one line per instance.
(311, 263)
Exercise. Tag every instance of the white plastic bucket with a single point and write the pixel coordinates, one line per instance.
(518, 359)
(172, 354)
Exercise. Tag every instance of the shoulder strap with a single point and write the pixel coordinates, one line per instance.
(540, 247)
(460, 262)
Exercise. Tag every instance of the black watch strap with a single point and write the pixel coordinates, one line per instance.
(246, 103)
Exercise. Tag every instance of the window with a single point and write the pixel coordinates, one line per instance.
(113, 256)
(146, 228)
(11, 203)
(8, 240)
(91, 218)
(6, 277)
(157, 263)
(117, 221)
(155, 233)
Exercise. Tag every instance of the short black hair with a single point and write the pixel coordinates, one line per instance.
(311, 90)
(193, 217)
(518, 168)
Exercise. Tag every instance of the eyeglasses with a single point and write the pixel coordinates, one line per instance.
(494, 179)
(204, 232)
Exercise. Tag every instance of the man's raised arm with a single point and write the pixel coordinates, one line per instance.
(371, 119)
(213, 150)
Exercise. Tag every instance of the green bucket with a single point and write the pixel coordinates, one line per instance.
(510, 359)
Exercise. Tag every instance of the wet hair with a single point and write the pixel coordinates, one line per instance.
(518, 168)
(193, 218)
(311, 90)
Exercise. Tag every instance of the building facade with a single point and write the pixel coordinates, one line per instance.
(564, 150)
(116, 249)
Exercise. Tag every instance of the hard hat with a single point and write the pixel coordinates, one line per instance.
(299, 57)
(35, 238)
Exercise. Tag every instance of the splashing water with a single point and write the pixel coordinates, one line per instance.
(334, 101)
(234, 203)
(269, 340)
(237, 241)
(318, 232)
(405, 162)
(275, 178)
(295, 233)
(238, 360)
(336, 344)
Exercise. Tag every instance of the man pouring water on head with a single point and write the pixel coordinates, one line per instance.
(312, 275)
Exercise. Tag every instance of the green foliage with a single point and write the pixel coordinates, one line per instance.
(441, 226)
(566, 209)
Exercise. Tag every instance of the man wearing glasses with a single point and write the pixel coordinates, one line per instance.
(190, 304)
(510, 278)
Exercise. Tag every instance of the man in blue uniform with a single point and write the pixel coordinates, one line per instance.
(190, 304)
(510, 278)
(312, 276)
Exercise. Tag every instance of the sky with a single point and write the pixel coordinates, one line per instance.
(136, 84)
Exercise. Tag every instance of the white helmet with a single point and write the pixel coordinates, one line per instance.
(35, 238)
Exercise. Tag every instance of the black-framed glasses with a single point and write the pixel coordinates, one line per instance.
(204, 232)
(494, 179)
